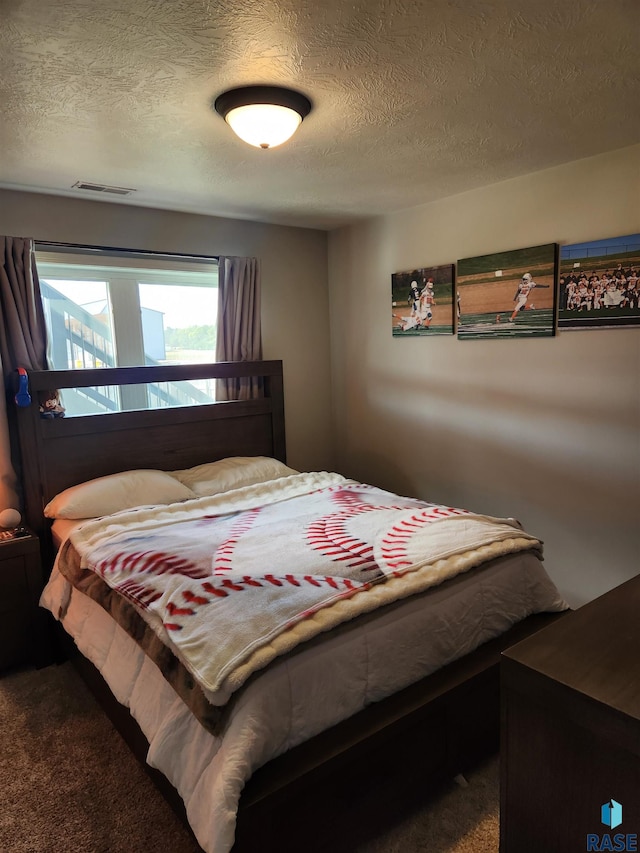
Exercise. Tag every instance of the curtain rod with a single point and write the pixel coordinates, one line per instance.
(104, 249)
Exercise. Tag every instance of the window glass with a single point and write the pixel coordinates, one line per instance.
(78, 317)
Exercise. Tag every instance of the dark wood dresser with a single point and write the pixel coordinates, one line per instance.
(22, 627)
(570, 737)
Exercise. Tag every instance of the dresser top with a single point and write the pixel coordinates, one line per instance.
(594, 650)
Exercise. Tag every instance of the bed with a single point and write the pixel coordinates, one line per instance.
(361, 699)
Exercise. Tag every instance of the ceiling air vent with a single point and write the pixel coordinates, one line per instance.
(102, 188)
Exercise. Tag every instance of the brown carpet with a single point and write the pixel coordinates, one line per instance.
(68, 784)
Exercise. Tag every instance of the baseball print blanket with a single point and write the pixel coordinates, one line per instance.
(230, 582)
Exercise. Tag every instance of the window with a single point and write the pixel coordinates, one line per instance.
(104, 309)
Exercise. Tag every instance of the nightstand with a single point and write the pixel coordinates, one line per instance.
(22, 627)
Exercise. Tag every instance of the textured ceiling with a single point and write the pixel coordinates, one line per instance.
(413, 100)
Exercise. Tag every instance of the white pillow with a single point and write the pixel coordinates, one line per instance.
(212, 478)
(115, 492)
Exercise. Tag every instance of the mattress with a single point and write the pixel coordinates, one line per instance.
(62, 528)
(323, 682)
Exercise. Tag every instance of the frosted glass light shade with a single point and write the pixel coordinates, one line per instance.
(263, 116)
(264, 125)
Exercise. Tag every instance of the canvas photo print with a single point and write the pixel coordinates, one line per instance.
(508, 294)
(422, 302)
(599, 286)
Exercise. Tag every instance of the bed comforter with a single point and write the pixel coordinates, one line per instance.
(229, 583)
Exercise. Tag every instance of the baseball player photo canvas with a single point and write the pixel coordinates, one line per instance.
(422, 302)
(599, 284)
(508, 294)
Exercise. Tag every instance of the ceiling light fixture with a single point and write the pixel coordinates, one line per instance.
(264, 116)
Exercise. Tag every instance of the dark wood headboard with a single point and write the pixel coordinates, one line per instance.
(62, 452)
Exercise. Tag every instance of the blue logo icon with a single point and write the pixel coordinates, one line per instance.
(611, 814)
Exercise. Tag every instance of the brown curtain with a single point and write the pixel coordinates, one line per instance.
(23, 343)
(239, 331)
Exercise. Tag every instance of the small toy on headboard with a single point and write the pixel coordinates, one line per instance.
(23, 398)
(50, 405)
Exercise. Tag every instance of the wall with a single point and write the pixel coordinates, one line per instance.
(294, 295)
(545, 430)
